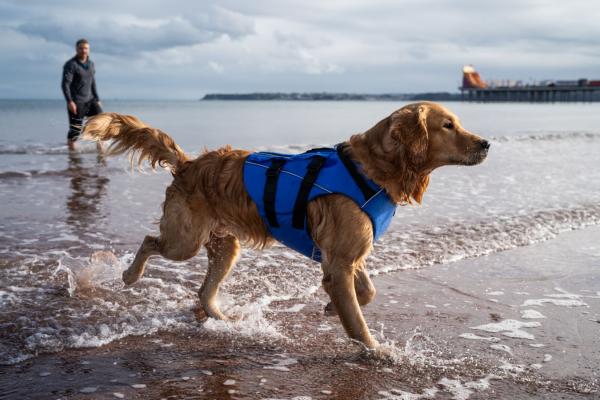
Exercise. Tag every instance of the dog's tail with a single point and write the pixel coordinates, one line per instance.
(130, 135)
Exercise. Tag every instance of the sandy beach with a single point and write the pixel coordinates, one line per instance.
(521, 324)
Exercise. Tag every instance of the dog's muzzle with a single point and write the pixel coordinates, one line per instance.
(479, 153)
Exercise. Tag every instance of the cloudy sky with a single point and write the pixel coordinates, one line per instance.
(184, 49)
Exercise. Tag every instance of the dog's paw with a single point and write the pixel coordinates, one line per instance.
(202, 314)
(329, 310)
(129, 278)
(386, 353)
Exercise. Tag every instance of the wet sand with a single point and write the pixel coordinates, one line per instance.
(536, 311)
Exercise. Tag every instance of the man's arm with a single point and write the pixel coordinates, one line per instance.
(67, 78)
(94, 92)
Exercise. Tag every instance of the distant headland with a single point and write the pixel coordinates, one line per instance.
(473, 88)
(324, 96)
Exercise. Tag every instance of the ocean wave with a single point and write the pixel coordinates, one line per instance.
(29, 174)
(548, 136)
(43, 149)
(32, 174)
(453, 242)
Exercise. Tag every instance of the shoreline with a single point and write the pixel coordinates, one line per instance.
(430, 313)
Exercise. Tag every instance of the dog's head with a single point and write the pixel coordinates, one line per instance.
(402, 150)
(430, 136)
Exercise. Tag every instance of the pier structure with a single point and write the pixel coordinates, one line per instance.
(475, 89)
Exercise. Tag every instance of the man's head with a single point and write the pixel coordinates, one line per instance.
(82, 47)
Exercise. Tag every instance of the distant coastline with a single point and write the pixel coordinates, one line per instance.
(324, 96)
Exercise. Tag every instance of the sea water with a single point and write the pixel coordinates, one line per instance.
(71, 223)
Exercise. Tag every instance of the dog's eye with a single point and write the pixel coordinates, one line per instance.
(449, 125)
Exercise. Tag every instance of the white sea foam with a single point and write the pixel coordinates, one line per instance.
(65, 237)
(138, 386)
(324, 327)
(294, 308)
(473, 336)
(396, 394)
(456, 388)
(510, 328)
(563, 298)
(247, 321)
(532, 314)
(282, 363)
(501, 347)
(512, 369)
(463, 390)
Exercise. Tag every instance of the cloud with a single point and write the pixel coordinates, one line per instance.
(218, 68)
(127, 34)
(301, 45)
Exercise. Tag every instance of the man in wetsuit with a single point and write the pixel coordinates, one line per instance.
(79, 88)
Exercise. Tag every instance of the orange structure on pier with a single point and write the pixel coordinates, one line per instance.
(471, 78)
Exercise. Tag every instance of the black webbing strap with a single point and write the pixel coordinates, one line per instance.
(312, 171)
(270, 190)
(318, 149)
(359, 179)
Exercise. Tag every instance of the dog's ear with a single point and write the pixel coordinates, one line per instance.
(409, 127)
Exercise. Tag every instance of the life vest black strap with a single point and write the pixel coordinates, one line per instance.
(270, 190)
(312, 171)
(359, 179)
(317, 149)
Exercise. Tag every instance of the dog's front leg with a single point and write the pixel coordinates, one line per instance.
(338, 282)
(365, 291)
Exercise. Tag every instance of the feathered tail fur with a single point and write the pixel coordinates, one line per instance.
(142, 142)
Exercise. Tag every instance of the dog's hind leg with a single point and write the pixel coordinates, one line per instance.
(148, 248)
(222, 254)
(182, 233)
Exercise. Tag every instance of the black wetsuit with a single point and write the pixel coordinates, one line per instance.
(79, 86)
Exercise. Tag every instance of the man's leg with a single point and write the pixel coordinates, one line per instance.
(94, 109)
(75, 125)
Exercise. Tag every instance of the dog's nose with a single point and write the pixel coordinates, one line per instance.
(484, 144)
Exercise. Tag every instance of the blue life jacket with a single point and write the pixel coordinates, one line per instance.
(282, 185)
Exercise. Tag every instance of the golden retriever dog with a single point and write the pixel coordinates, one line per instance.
(207, 203)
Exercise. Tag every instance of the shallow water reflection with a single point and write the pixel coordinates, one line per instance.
(87, 190)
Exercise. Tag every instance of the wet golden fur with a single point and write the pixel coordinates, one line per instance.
(207, 204)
